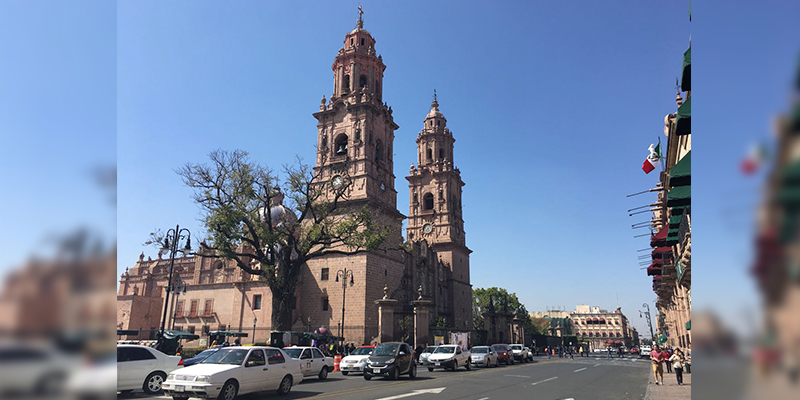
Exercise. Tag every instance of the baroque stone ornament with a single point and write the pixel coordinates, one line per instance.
(386, 291)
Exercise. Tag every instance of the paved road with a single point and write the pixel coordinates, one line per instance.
(590, 378)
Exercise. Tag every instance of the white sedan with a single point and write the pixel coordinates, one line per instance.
(312, 361)
(449, 356)
(357, 360)
(232, 371)
(483, 356)
(142, 367)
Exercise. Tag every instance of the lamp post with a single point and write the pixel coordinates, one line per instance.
(171, 240)
(649, 320)
(177, 288)
(255, 320)
(343, 273)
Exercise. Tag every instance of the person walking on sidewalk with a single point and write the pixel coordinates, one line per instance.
(677, 360)
(657, 357)
(667, 356)
(608, 352)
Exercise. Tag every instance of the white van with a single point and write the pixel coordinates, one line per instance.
(644, 351)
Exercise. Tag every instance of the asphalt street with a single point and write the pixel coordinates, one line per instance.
(590, 378)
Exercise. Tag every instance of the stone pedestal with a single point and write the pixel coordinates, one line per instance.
(422, 312)
(518, 331)
(386, 308)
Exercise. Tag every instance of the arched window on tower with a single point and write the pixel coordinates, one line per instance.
(427, 199)
(362, 81)
(430, 155)
(378, 151)
(346, 84)
(378, 89)
(324, 142)
(340, 147)
(441, 154)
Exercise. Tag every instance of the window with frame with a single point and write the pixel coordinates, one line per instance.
(324, 274)
(190, 329)
(179, 309)
(325, 304)
(208, 310)
(193, 309)
(206, 330)
(427, 200)
(256, 302)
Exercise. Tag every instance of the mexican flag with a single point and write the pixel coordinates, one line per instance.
(653, 159)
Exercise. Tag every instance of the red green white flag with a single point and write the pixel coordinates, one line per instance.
(653, 159)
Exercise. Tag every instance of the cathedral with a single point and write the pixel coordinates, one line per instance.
(355, 138)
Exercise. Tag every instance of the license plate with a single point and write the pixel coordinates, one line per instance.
(180, 388)
(438, 364)
(376, 371)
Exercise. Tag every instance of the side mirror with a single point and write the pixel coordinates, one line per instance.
(402, 353)
(250, 364)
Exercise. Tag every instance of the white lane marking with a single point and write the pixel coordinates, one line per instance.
(484, 398)
(414, 393)
(546, 380)
(518, 376)
(597, 365)
(579, 370)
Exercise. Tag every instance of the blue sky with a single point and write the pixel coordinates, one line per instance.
(553, 105)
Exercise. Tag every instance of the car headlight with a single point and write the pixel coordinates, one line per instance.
(202, 378)
(170, 377)
(391, 360)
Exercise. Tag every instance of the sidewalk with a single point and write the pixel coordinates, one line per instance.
(670, 390)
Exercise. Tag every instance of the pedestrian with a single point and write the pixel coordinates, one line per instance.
(677, 363)
(352, 347)
(547, 350)
(571, 356)
(237, 342)
(619, 351)
(668, 356)
(657, 357)
(608, 352)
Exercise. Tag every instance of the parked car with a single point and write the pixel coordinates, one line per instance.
(356, 361)
(312, 361)
(634, 350)
(423, 357)
(504, 353)
(520, 352)
(234, 371)
(33, 369)
(141, 367)
(449, 356)
(483, 356)
(200, 357)
(391, 359)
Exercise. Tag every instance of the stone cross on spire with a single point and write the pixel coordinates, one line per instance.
(435, 103)
(360, 22)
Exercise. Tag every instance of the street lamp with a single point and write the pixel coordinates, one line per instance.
(255, 320)
(177, 288)
(344, 275)
(649, 320)
(171, 240)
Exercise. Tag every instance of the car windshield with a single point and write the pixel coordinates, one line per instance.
(227, 356)
(204, 354)
(516, 347)
(480, 350)
(293, 352)
(429, 349)
(362, 351)
(445, 350)
(499, 348)
(385, 350)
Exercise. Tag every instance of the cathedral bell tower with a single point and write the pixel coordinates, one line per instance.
(356, 129)
(435, 206)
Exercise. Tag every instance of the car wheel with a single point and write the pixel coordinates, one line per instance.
(496, 363)
(323, 374)
(345, 373)
(367, 376)
(430, 369)
(394, 374)
(413, 373)
(468, 366)
(286, 385)
(455, 365)
(152, 384)
(230, 390)
(179, 398)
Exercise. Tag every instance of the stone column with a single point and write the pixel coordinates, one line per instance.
(519, 331)
(422, 310)
(386, 308)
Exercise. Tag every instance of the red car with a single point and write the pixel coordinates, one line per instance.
(504, 353)
(634, 350)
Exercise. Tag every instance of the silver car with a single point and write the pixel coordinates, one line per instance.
(483, 356)
(423, 356)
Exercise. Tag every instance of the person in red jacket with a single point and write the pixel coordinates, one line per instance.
(657, 356)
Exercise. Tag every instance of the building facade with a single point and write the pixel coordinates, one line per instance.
(355, 140)
(591, 324)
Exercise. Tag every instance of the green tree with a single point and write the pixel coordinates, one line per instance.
(498, 299)
(241, 205)
(540, 326)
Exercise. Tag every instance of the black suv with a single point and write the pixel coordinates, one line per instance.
(391, 359)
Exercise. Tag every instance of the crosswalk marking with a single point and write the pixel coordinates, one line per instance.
(546, 380)
(579, 370)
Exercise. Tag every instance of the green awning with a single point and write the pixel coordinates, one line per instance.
(672, 239)
(172, 334)
(689, 325)
(683, 122)
(686, 76)
(674, 221)
(681, 173)
(679, 196)
(789, 196)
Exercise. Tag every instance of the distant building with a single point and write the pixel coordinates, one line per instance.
(591, 324)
